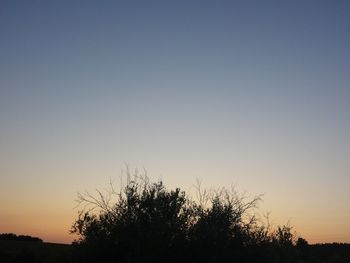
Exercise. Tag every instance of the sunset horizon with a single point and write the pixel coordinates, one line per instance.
(253, 95)
(59, 231)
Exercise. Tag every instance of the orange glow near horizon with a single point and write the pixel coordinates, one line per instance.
(53, 225)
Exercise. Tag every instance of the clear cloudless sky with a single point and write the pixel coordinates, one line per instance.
(250, 93)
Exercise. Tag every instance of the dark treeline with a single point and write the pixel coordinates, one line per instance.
(335, 252)
(11, 236)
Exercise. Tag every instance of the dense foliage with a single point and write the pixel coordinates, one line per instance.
(148, 223)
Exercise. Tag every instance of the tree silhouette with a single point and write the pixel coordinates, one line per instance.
(11, 236)
(148, 223)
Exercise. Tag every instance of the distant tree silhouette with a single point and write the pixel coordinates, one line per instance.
(148, 223)
(11, 236)
(301, 243)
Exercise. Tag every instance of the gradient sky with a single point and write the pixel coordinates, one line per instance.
(251, 93)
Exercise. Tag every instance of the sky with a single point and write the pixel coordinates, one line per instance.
(248, 93)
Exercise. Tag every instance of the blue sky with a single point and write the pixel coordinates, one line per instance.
(254, 93)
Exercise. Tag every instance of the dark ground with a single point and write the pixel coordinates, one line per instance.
(26, 251)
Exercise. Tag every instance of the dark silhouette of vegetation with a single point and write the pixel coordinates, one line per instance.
(11, 236)
(148, 223)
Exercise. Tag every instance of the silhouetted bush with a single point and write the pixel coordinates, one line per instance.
(148, 223)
